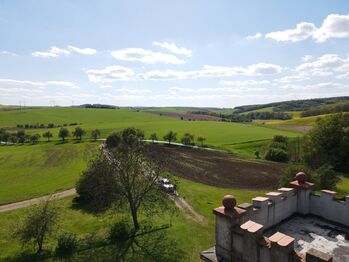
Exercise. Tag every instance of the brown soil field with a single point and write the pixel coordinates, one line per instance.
(194, 117)
(217, 168)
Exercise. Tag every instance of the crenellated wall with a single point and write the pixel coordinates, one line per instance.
(327, 207)
(239, 230)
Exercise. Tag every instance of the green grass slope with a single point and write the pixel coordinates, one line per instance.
(32, 170)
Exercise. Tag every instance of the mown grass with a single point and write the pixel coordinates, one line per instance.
(28, 171)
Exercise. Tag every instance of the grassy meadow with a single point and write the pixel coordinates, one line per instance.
(28, 171)
(202, 197)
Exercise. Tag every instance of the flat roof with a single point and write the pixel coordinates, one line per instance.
(313, 232)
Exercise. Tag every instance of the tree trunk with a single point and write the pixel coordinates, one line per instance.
(135, 218)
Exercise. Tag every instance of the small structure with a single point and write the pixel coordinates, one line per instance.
(291, 224)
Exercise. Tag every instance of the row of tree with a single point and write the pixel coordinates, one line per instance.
(187, 138)
(49, 125)
(21, 137)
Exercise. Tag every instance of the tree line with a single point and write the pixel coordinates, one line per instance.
(21, 137)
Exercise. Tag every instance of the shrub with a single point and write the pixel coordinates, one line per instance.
(276, 154)
(67, 243)
(325, 177)
(120, 231)
(278, 145)
(291, 172)
(280, 139)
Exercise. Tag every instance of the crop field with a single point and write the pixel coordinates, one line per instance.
(217, 168)
(218, 134)
(32, 170)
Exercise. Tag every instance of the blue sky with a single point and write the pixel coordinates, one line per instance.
(172, 53)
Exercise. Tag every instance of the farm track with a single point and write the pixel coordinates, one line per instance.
(33, 201)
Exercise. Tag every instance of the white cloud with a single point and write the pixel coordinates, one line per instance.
(172, 47)
(256, 36)
(52, 52)
(316, 86)
(38, 84)
(109, 74)
(307, 58)
(145, 56)
(8, 53)
(55, 51)
(83, 51)
(333, 26)
(129, 91)
(324, 65)
(244, 83)
(180, 90)
(291, 79)
(212, 71)
(301, 32)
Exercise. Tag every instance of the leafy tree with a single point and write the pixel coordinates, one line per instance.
(113, 140)
(21, 136)
(96, 186)
(47, 135)
(276, 154)
(4, 135)
(95, 134)
(136, 181)
(13, 139)
(153, 137)
(170, 137)
(63, 133)
(187, 139)
(124, 175)
(79, 132)
(325, 177)
(38, 224)
(201, 140)
(328, 142)
(35, 138)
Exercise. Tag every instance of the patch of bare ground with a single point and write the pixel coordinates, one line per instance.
(187, 116)
(295, 128)
(217, 168)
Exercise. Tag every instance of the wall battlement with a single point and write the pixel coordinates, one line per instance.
(239, 230)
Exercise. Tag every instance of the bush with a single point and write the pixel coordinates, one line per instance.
(66, 245)
(276, 154)
(291, 172)
(325, 177)
(278, 145)
(280, 139)
(120, 231)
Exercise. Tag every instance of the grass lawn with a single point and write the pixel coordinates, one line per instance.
(203, 198)
(32, 170)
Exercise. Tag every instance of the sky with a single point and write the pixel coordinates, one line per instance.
(172, 53)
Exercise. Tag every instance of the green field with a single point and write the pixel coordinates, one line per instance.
(203, 198)
(33, 170)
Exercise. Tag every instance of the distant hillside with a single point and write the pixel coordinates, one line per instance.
(327, 109)
(294, 105)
